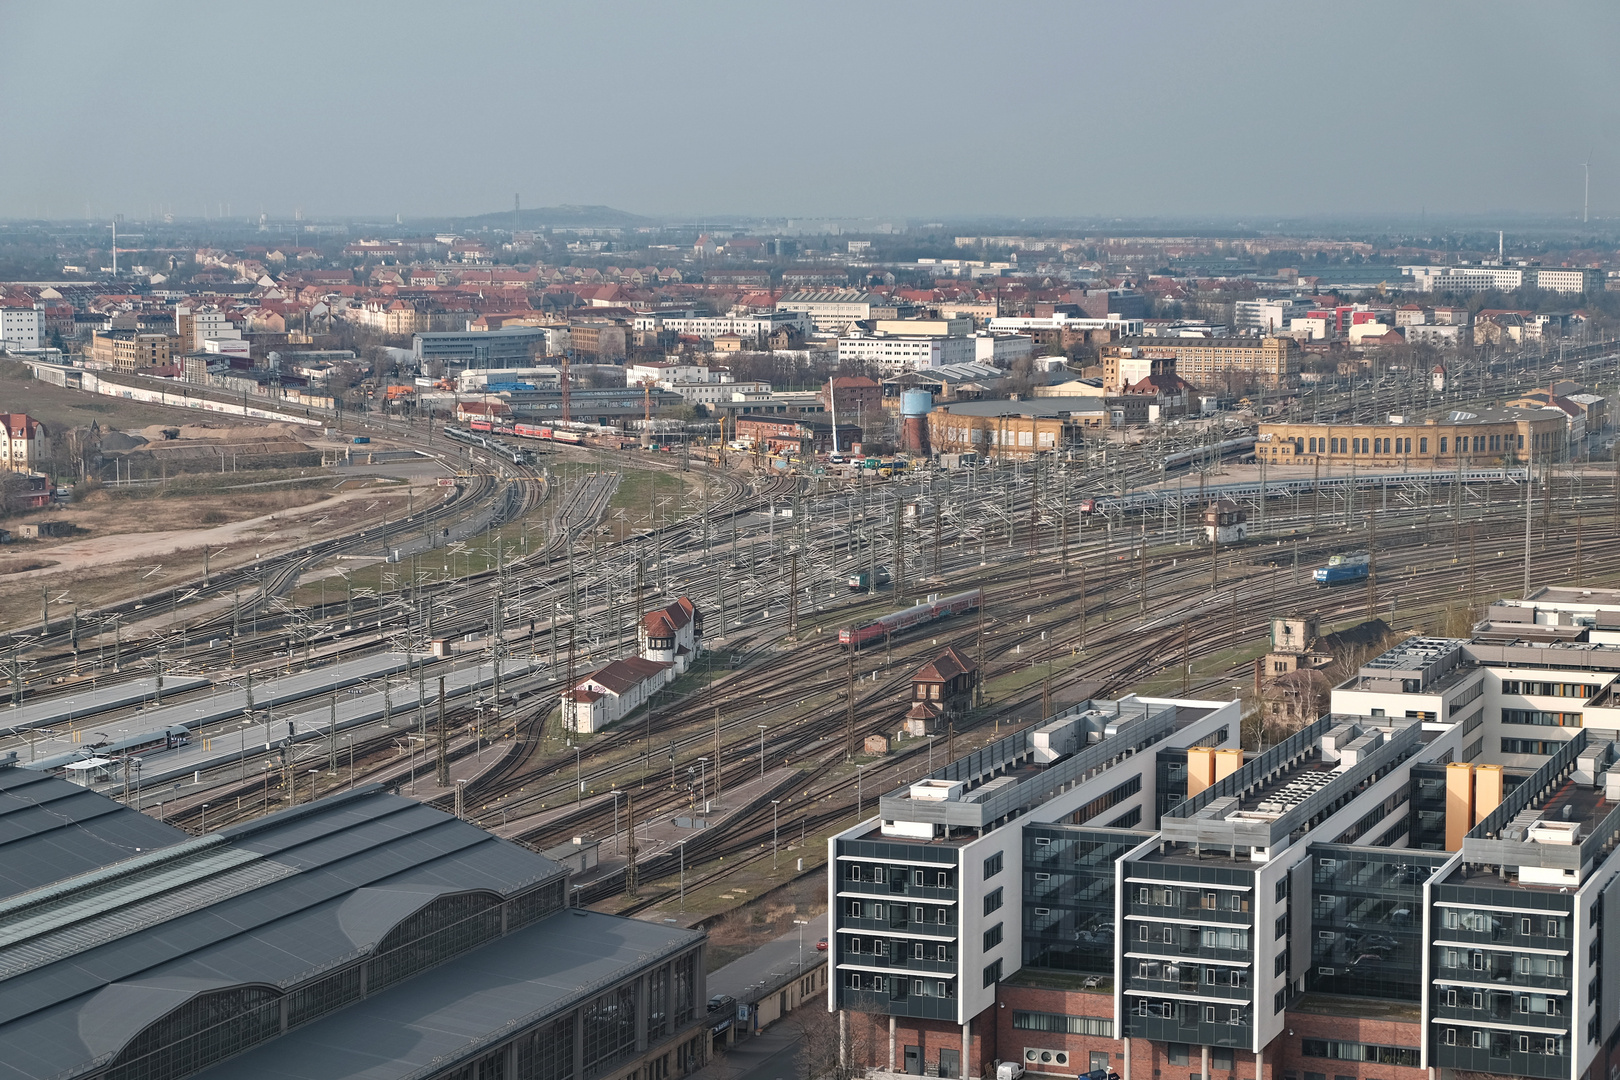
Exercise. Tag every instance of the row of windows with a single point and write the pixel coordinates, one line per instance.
(1060, 1024)
(1529, 1004)
(882, 875)
(1501, 964)
(899, 985)
(1207, 937)
(1191, 899)
(1465, 444)
(1406, 1056)
(1502, 1043)
(1541, 718)
(1189, 1011)
(1497, 923)
(864, 909)
(1548, 689)
(1212, 975)
(1532, 746)
(919, 949)
(1107, 800)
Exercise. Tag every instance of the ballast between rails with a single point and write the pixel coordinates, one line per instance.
(1277, 489)
(900, 621)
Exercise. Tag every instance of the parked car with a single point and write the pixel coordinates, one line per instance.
(821, 946)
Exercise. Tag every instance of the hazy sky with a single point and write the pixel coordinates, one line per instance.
(816, 108)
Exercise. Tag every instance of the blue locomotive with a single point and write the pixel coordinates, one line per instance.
(1343, 569)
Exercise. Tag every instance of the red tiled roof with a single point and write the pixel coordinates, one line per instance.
(666, 621)
(622, 675)
(945, 667)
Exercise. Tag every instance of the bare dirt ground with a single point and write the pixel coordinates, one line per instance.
(135, 547)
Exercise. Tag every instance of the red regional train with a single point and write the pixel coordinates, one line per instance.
(901, 621)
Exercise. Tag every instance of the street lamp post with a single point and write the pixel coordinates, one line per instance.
(703, 781)
(683, 876)
(774, 803)
(616, 821)
(579, 784)
(801, 924)
(762, 750)
(858, 778)
(204, 826)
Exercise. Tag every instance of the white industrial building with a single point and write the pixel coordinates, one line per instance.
(831, 311)
(20, 328)
(891, 352)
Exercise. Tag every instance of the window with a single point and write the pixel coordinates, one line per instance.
(1179, 1053)
(992, 973)
(943, 880)
(992, 937)
(1060, 1024)
(854, 944)
(943, 953)
(917, 953)
(992, 900)
(917, 877)
(853, 872)
(992, 866)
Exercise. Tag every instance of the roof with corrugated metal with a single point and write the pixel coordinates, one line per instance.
(87, 962)
(51, 829)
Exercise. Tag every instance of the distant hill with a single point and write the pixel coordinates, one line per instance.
(547, 217)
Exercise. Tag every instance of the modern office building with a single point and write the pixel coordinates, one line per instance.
(514, 348)
(361, 935)
(1419, 885)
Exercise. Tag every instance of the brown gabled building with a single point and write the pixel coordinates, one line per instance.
(940, 690)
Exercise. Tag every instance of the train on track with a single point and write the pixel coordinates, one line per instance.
(933, 609)
(1239, 448)
(515, 455)
(1342, 569)
(144, 745)
(859, 582)
(573, 434)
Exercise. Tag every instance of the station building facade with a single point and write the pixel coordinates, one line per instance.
(1488, 438)
(1419, 885)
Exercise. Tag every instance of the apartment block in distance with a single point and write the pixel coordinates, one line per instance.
(1206, 362)
(1418, 885)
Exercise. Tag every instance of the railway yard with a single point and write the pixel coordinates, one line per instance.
(250, 689)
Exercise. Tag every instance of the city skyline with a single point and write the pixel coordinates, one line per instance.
(1164, 110)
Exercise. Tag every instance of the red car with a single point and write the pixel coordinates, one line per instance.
(821, 946)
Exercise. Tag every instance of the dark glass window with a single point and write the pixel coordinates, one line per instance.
(609, 1029)
(206, 1029)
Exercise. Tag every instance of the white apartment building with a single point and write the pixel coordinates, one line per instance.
(1012, 324)
(202, 324)
(20, 328)
(1465, 279)
(1266, 316)
(751, 328)
(893, 353)
(1535, 673)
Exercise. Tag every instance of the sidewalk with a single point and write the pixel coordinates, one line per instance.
(771, 1055)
